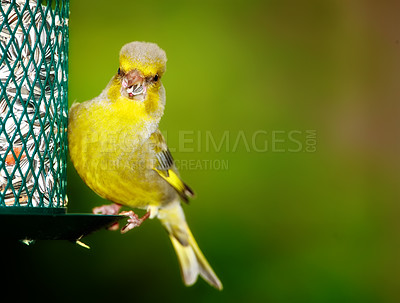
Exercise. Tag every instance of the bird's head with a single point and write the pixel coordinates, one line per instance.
(141, 66)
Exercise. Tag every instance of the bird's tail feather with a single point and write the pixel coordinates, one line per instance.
(191, 259)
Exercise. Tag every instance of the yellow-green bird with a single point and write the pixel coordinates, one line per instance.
(117, 149)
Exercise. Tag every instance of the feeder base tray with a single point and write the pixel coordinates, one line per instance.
(55, 224)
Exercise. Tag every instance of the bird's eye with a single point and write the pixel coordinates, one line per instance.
(119, 71)
(156, 77)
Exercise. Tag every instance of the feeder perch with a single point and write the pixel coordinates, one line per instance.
(33, 124)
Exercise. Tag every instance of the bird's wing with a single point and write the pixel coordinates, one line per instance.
(165, 166)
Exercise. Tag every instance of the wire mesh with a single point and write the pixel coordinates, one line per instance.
(33, 102)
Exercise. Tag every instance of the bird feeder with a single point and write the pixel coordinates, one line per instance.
(33, 124)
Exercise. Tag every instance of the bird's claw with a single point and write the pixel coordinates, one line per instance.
(113, 209)
(109, 209)
(133, 220)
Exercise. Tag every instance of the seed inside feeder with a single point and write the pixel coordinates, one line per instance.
(30, 104)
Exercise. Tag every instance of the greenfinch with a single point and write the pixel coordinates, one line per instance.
(119, 152)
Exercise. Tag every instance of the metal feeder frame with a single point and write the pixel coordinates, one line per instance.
(34, 39)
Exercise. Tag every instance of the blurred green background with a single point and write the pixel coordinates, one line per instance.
(283, 215)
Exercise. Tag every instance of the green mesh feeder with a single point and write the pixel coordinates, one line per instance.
(33, 124)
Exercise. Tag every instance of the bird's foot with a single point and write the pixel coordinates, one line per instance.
(133, 221)
(109, 209)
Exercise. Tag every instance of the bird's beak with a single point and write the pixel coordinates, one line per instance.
(134, 83)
